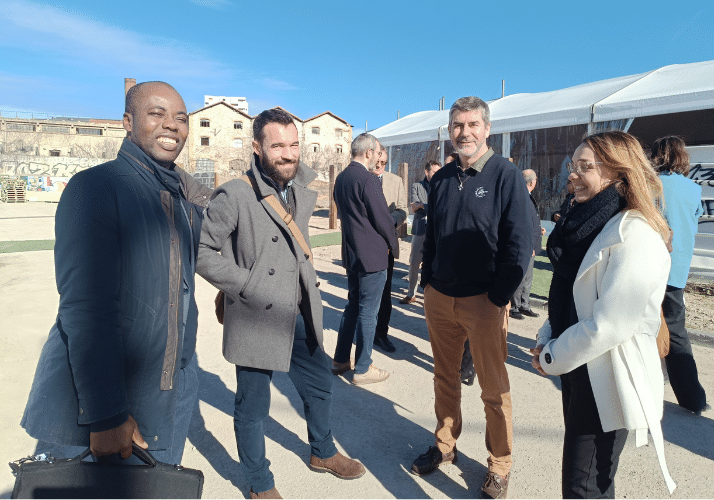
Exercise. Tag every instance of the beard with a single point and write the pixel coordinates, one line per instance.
(463, 150)
(280, 171)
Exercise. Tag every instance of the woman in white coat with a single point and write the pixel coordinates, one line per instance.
(610, 267)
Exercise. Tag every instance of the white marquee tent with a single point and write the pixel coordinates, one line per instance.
(670, 89)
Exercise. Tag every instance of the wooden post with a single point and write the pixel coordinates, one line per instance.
(333, 207)
(404, 174)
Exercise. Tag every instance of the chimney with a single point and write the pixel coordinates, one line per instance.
(128, 83)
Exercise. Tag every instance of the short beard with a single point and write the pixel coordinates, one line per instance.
(272, 169)
(479, 146)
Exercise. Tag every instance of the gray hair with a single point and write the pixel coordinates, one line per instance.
(529, 175)
(470, 103)
(363, 143)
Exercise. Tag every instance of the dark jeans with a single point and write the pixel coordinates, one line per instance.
(364, 292)
(185, 405)
(311, 375)
(385, 307)
(681, 367)
(590, 455)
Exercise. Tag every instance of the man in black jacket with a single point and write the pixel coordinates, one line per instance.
(521, 300)
(478, 243)
(119, 365)
(367, 239)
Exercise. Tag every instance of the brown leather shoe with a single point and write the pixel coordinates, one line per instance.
(428, 462)
(408, 300)
(371, 376)
(271, 493)
(494, 485)
(338, 465)
(340, 368)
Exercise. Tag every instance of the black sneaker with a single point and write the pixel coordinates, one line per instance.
(516, 314)
(384, 344)
(468, 378)
(432, 459)
(529, 312)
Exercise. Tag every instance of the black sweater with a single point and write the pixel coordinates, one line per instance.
(479, 239)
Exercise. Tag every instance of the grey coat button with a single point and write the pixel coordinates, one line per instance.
(275, 238)
(271, 272)
(269, 306)
(307, 256)
(156, 438)
(548, 358)
(317, 284)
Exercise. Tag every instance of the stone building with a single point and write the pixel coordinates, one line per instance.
(56, 147)
(326, 140)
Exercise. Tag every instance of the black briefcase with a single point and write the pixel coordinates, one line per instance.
(75, 478)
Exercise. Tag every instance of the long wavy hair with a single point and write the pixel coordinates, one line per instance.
(636, 180)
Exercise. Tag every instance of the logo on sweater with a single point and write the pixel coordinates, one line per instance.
(480, 192)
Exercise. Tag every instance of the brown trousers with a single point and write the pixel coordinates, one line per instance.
(451, 320)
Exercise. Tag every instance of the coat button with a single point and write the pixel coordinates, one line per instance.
(317, 284)
(81, 411)
(156, 438)
(307, 256)
(271, 272)
(548, 358)
(269, 306)
(275, 238)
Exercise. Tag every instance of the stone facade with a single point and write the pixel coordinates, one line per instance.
(326, 140)
(90, 139)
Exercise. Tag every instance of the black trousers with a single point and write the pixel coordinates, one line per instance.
(467, 360)
(385, 306)
(590, 455)
(681, 367)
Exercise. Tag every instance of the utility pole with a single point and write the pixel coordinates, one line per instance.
(503, 88)
(365, 126)
(397, 114)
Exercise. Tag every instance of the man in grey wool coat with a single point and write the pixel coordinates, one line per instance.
(273, 308)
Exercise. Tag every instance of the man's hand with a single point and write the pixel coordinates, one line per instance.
(556, 216)
(117, 440)
(542, 231)
(535, 361)
(417, 206)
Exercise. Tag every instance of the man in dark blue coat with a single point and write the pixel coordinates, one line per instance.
(368, 237)
(119, 364)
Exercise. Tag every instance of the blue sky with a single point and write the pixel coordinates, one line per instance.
(361, 60)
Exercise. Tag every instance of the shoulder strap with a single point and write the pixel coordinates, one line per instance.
(287, 218)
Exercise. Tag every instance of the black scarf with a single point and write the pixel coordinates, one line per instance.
(570, 240)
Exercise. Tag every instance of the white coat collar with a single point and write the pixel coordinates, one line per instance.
(610, 236)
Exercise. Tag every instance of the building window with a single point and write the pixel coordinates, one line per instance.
(338, 132)
(238, 125)
(316, 130)
(54, 152)
(205, 141)
(21, 127)
(56, 129)
(315, 148)
(338, 147)
(89, 131)
(237, 143)
(205, 122)
(204, 165)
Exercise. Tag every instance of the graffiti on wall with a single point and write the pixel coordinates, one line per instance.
(45, 166)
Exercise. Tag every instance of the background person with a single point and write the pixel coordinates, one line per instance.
(682, 209)
(610, 266)
(368, 238)
(396, 198)
(420, 201)
(567, 203)
(521, 300)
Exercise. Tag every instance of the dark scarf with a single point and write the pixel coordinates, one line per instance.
(570, 240)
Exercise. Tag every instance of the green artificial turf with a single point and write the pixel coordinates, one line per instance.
(26, 246)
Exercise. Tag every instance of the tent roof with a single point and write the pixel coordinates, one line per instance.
(670, 89)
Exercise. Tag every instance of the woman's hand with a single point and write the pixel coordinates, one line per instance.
(535, 360)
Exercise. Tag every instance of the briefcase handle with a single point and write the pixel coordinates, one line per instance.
(141, 453)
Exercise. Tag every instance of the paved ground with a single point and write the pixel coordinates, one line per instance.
(385, 426)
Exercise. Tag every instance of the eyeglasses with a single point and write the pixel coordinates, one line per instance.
(581, 167)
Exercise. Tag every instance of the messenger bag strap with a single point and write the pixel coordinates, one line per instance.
(287, 218)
